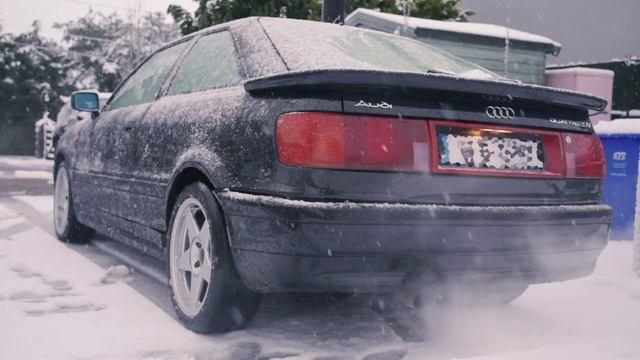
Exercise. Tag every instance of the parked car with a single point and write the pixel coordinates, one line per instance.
(276, 155)
(68, 117)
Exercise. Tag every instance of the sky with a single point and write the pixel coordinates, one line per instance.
(589, 30)
(18, 15)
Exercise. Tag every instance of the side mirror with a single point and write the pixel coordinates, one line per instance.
(86, 101)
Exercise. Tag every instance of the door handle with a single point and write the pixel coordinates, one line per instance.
(128, 128)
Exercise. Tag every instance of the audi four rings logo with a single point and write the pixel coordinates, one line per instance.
(500, 112)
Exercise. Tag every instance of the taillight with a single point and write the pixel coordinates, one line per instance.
(338, 141)
(553, 157)
(584, 156)
(327, 140)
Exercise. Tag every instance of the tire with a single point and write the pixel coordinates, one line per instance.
(198, 253)
(67, 227)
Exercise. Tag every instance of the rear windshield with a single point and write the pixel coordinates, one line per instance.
(313, 45)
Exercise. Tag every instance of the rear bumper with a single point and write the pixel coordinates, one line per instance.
(290, 245)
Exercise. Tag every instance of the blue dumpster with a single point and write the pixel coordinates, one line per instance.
(621, 181)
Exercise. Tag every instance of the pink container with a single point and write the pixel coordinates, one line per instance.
(591, 81)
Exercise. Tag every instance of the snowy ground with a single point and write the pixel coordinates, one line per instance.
(25, 163)
(25, 175)
(59, 301)
(95, 301)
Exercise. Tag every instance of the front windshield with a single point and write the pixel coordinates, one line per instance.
(315, 46)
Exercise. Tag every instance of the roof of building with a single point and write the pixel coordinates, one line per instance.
(628, 61)
(479, 29)
(583, 71)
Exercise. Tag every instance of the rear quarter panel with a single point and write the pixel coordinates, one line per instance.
(225, 132)
(229, 132)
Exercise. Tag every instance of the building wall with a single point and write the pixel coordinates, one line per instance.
(591, 81)
(526, 61)
(526, 65)
(626, 83)
(589, 30)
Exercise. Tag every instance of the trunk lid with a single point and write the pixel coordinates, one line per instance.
(441, 96)
(556, 120)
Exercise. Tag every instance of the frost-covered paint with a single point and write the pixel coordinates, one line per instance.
(126, 162)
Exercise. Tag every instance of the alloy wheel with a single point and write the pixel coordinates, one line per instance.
(191, 257)
(61, 201)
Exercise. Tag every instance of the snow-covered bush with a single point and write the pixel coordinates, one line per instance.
(33, 77)
(105, 48)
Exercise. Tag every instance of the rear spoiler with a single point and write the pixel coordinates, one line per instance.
(341, 79)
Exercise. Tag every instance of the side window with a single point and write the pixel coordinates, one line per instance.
(143, 86)
(211, 63)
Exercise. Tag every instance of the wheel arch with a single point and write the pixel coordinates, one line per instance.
(195, 163)
(187, 173)
(58, 159)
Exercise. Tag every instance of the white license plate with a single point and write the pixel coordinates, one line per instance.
(490, 151)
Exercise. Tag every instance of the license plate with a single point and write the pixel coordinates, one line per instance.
(476, 149)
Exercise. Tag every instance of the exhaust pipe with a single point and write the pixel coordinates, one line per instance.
(421, 289)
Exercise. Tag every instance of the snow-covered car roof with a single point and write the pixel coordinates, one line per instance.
(265, 57)
(315, 45)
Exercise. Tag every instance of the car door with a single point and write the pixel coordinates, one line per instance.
(113, 145)
(205, 83)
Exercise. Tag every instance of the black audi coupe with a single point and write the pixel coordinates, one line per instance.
(275, 155)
